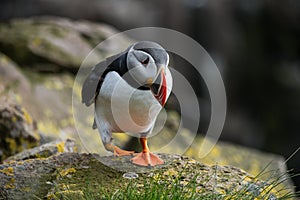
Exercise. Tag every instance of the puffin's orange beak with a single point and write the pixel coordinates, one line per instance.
(159, 88)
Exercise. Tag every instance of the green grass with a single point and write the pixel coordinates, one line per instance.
(162, 189)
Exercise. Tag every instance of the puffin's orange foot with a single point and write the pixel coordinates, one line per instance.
(147, 159)
(121, 152)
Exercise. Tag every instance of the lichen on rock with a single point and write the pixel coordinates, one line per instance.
(72, 175)
(52, 43)
(45, 150)
(17, 129)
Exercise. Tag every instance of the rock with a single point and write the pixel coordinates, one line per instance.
(11, 78)
(47, 96)
(93, 32)
(70, 174)
(45, 150)
(43, 45)
(251, 160)
(18, 130)
(52, 94)
(53, 43)
(223, 153)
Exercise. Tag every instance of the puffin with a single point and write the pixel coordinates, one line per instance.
(129, 90)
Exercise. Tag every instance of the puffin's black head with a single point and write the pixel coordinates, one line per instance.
(147, 62)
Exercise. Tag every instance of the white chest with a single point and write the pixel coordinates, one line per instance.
(124, 108)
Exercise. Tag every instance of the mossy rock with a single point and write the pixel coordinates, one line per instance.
(37, 95)
(47, 96)
(18, 130)
(42, 45)
(77, 175)
(37, 44)
(53, 43)
(11, 77)
(45, 150)
(223, 153)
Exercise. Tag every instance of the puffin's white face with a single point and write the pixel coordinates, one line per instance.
(141, 67)
(147, 63)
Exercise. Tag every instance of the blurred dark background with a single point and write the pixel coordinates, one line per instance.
(255, 44)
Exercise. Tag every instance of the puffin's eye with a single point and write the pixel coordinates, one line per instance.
(146, 61)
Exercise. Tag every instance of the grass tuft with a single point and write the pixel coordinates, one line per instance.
(157, 187)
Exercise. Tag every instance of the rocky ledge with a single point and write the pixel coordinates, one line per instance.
(70, 174)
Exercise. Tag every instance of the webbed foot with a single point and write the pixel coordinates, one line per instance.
(147, 159)
(121, 152)
(117, 151)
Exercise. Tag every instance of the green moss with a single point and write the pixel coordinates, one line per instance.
(66, 194)
(58, 32)
(47, 46)
(94, 177)
(75, 176)
(14, 41)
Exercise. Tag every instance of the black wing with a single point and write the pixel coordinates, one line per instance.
(93, 82)
(89, 88)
